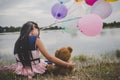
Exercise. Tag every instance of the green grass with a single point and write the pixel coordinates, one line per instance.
(86, 68)
(104, 71)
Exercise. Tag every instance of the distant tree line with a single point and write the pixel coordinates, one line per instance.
(111, 25)
(9, 29)
(17, 29)
(53, 28)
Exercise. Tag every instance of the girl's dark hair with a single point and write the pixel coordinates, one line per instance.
(22, 47)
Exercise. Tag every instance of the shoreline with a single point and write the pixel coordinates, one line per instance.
(52, 29)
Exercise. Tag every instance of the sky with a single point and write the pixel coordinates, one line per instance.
(17, 12)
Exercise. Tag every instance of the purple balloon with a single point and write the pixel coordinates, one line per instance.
(101, 8)
(59, 11)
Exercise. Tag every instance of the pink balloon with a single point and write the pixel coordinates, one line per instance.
(90, 25)
(90, 2)
(101, 8)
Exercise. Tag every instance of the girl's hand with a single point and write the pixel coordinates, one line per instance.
(71, 65)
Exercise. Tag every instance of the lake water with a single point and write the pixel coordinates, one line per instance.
(108, 40)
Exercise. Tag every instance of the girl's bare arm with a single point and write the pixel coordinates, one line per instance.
(53, 59)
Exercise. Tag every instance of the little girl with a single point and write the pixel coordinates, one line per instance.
(27, 49)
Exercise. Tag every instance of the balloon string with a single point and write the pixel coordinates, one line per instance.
(73, 10)
(69, 19)
(71, 6)
(87, 10)
(57, 12)
(56, 21)
(56, 16)
(64, 21)
(61, 22)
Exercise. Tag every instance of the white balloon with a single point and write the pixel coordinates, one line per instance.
(101, 8)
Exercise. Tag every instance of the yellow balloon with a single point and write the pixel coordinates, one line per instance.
(78, 1)
(111, 0)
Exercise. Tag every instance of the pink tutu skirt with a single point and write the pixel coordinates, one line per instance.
(36, 68)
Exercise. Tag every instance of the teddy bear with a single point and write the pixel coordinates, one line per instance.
(63, 54)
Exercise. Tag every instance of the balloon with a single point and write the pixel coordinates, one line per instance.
(70, 27)
(78, 1)
(63, 1)
(90, 25)
(90, 2)
(101, 8)
(70, 30)
(59, 11)
(111, 0)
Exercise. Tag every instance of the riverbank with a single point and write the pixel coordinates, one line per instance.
(87, 68)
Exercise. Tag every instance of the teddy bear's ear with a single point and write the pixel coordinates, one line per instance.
(56, 53)
(70, 49)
